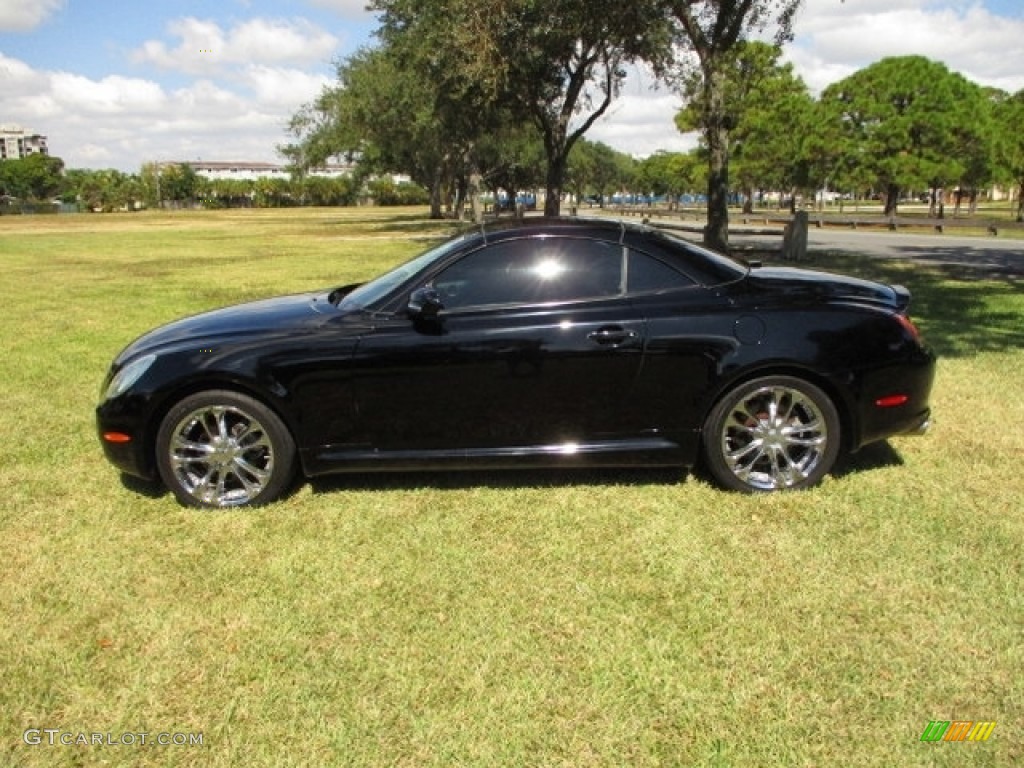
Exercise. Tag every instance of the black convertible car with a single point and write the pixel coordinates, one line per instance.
(544, 342)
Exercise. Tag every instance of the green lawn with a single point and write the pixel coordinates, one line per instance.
(612, 619)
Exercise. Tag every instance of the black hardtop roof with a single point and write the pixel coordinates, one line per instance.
(605, 228)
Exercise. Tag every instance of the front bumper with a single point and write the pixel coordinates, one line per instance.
(130, 455)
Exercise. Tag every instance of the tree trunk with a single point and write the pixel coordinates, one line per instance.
(461, 185)
(476, 204)
(435, 198)
(555, 179)
(892, 199)
(716, 233)
(1020, 203)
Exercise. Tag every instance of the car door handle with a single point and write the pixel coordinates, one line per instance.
(612, 335)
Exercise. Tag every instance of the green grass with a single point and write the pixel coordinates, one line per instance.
(612, 619)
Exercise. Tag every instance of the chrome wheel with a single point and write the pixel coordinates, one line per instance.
(773, 434)
(224, 450)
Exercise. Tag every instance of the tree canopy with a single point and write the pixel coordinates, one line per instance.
(909, 120)
(34, 177)
(712, 30)
(482, 71)
(770, 113)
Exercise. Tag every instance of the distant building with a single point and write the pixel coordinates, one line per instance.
(15, 142)
(242, 171)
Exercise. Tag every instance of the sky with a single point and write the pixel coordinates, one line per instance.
(116, 84)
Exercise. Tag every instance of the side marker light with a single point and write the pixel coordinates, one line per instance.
(891, 401)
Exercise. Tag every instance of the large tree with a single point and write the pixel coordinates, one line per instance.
(596, 168)
(671, 173)
(911, 121)
(1008, 119)
(771, 114)
(511, 159)
(711, 30)
(35, 177)
(383, 113)
(558, 63)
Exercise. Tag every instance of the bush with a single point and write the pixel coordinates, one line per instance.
(387, 192)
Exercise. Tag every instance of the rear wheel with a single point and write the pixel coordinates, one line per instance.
(772, 433)
(224, 449)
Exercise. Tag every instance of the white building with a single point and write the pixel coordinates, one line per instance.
(245, 171)
(15, 142)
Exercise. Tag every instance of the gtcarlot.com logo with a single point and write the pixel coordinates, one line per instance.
(55, 737)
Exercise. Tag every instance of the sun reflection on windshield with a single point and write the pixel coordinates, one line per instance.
(548, 269)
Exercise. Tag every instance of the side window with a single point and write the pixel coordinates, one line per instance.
(533, 271)
(646, 273)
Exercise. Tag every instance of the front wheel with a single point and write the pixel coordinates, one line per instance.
(772, 433)
(224, 449)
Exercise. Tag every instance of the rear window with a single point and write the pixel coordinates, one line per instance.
(704, 266)
(645, 273)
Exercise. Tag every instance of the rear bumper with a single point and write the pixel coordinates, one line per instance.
(922, 426)
(909, 383)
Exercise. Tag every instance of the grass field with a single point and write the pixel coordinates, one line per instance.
(614, 619)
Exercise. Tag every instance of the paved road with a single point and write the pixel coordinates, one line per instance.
(969, 256)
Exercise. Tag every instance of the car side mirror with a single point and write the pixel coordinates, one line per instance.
(424, 304)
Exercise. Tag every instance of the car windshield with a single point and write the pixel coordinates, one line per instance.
(369, 293)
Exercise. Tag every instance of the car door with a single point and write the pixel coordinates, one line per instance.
(535, 349)
(690, 336)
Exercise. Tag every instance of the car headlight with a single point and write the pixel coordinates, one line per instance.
(128, 376)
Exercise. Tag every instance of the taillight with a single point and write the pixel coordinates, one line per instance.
(909, 326)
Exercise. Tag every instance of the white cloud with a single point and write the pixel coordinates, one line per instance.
(14, 73)
(26, 92)
(835, 40)
(642, 123)
(112, 95)
(122, 122)
(352, 9)
(285, 88)
(205, 47)
(23, 15)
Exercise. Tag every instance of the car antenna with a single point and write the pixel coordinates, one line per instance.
(622, 232)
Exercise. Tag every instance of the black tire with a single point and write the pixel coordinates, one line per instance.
(220, 448)
(772, 433)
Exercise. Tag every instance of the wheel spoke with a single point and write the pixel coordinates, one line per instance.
(201, 488)
(262, 475)
(222, 427)
(183, 445)
(785, 473)
(251, 487)
(742, 452)
(743, 417)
